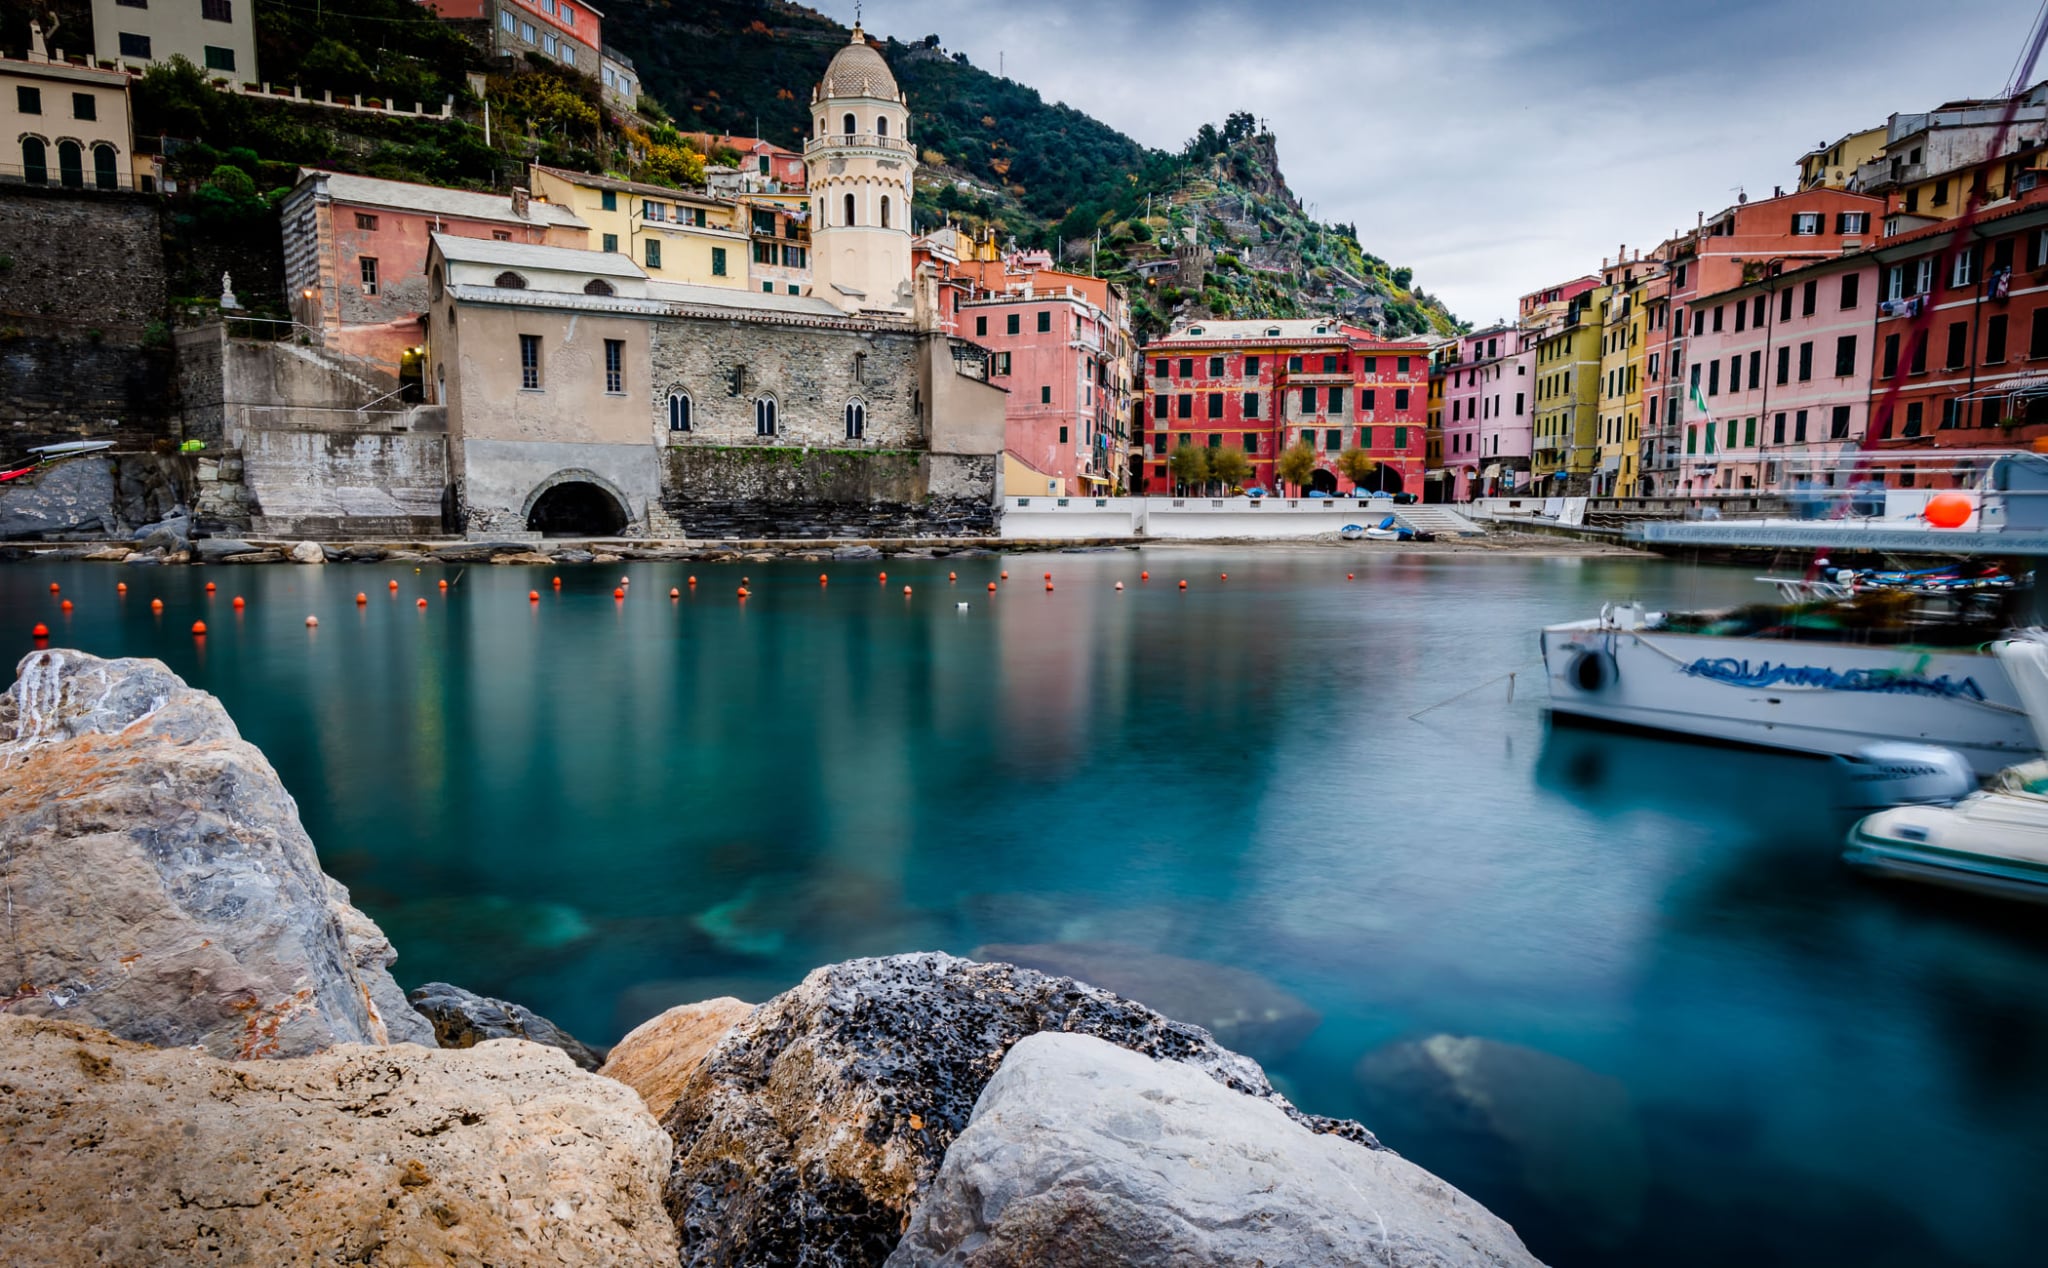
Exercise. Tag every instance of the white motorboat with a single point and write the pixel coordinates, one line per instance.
(1992, 841)
(1851, 659)
(1631, 668)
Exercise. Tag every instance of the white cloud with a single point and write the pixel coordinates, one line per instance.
(1494, 145)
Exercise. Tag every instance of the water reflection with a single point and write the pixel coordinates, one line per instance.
(1618, 987)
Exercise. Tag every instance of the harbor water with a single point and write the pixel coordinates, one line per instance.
(1619, 989)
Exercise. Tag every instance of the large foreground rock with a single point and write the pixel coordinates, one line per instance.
(464, 1019)
(660, 1056)
(1083, 1153)
(504, 1154)
(160, 884)
(1246, 1012)
(809, 1132)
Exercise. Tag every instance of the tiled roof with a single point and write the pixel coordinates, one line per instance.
(434, 200)
(521, 255)
(859, 71)
(588, 181)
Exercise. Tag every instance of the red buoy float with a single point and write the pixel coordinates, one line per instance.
(199, 628)
(1183, 585)
(533, 596)
(40, 631)
(65, 606)
(991, 587)
(210, 587)
(239, 605)
(618, 592)
(422, 603)
(156, 605)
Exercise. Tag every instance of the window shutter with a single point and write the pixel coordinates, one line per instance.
(1795, 222)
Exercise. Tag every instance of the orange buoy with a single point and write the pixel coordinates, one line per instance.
(312, 621)
(1183, 585)
(65, 606)
(618, 592)
(1048, 576)
(394, 587)
(239, 605)
(40, 631)
(821, 579)
(533, 596)
(53, 587)
(558, 583)
(361, 598)
(1946, 510)
(1006, 574)
(693, 581)
(991, 587)
(743, 592)
(120, 587)
(421, 603)
(1048, 587)
(952, 576)
(884, 577)
(906, 592)
(210, 587)
(156, 605)
(444, 583)
(1144, 576)
(674, 593)
(199, 628)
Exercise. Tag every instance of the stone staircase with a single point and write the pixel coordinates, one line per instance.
(1441, 520)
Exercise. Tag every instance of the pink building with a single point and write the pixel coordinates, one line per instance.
(1784, 366)
(1053, 349)
(1487, 411)
(355, 254)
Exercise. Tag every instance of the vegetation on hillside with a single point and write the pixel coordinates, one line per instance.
(995, 155)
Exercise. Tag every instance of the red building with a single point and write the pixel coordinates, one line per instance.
(1260, 386)
(1976, 377)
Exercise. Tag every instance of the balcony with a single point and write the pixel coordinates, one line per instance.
(855, 140)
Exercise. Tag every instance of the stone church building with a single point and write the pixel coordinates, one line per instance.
(585, 397)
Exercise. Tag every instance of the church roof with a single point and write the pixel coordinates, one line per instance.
(859, 71)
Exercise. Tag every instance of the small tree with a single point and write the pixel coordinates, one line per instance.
(1229, 467)
(1356, 466)
(1190, 465)
(1297, 465)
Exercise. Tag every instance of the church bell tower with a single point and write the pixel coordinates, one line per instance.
(859, 164)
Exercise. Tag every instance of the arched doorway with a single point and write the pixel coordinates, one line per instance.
(1323, 482)
(1384, 479)
(576, 508)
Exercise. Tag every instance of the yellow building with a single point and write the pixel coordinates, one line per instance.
(1568, 396)
(1622, 349)
(1832, 166)
(673, 234)
(62, 124)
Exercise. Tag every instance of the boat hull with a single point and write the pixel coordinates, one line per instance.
(1990, 843)
(1810, 697)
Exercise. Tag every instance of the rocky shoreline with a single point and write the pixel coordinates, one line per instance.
(206, 1058)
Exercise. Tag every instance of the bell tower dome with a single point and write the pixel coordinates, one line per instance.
(860, 165)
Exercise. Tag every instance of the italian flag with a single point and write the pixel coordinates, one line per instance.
(1699, 402)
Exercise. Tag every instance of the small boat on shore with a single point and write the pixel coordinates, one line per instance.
(1993, 841)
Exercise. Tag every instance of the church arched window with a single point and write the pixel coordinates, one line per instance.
(849, 209)
(764, 416)
(847, 125)
(885, 211)
(856, 419)
(882, 125)
(679, 410)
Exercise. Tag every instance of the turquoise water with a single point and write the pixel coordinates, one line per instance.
(1709, 1044)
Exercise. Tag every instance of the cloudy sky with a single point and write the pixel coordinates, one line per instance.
(1495, 145)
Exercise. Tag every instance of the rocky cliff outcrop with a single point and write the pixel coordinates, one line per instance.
(160, 886)
(503, 1154)
(1080, 1152)
(810, 1131)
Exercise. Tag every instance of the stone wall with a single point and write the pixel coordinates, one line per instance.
(337, 485)
(81, 281)
(812, 372)
(757, 492)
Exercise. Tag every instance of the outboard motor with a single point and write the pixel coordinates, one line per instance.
(1900, 774)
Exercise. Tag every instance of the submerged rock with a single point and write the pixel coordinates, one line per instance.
(1244, 1011)
(504, 1154)
(462, 1019)
(1569, 1136)
(808, 1133)
(659, 1056)
(161, 886)
(1082, 1153)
